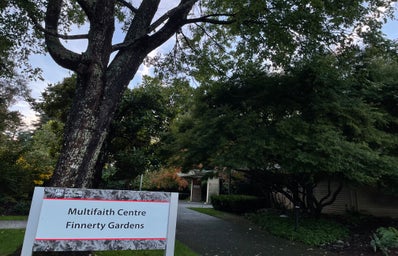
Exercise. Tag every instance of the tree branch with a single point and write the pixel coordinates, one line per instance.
(175, 18)
(211, 38)
(128, 5)
(64, 57)
(174, 22)
(334, 196)
(328, 194)
(40, 28)
(167, 15)
(208, 19)
(31, 14)
(87, 6)
(142, 19)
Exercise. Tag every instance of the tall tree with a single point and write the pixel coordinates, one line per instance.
(102, 77)
(140, 122)
(294, 129)
(142, 118)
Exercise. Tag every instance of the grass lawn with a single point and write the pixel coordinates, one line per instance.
(180, 250)
(13, 217)
(11, 240)
(208, 211)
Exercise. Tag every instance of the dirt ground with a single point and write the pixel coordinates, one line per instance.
(361, 230)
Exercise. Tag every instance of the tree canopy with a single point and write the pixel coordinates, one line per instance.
(313, 122)
(224, 36)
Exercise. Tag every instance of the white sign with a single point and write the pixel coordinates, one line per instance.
(64, 219)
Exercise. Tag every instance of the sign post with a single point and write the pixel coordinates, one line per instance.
(66, 219)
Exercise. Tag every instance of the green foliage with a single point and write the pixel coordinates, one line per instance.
(141, 123)
(318, 120)
(277, 31)
(10, 91)
(42, 153)
(237, 203)
(141, 120)
(15, 182)
(57, 100)
(385, 239)
(25, 161)
(309, 231)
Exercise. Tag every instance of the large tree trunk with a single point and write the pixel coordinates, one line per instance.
(101, 83)
(100, 80)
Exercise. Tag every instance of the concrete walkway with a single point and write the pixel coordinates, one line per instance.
(232, 236)
(13, 224)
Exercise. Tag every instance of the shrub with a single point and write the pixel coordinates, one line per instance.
(385, 239)
(237, 203)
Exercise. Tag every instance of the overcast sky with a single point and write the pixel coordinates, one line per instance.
(53, 73)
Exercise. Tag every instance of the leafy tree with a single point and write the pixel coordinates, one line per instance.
(166, 180)
(379, 76)
(291, 131)
(135, 131)
(102, 78)
(16, 184)
(267, 34)
(57, 100)
(9, 92)
(141, 121)
(40, 158)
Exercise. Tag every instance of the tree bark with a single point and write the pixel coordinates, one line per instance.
(101, 83)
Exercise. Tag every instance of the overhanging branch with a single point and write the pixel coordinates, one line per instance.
(40, 28)
(210, 19)
(128, 5)
(64, 57)
(167, 15)
(30, 11)
(87, 6)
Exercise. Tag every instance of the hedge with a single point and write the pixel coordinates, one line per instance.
(238, 203)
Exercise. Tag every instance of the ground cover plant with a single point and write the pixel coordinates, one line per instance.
(310, 231)
(385, 239)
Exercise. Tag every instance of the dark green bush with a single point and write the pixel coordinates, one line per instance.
(237, 203)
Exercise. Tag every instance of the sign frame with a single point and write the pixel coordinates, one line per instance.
(50, 195)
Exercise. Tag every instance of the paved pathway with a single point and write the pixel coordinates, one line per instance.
(12, 224)
(213, 236)
(231, 236)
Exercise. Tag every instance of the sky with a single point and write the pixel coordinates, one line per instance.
(53, 73)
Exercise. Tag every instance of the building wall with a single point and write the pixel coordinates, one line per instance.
(362, 200)
(213, 188)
